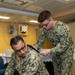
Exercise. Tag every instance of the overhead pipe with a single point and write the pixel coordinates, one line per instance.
(17, 12)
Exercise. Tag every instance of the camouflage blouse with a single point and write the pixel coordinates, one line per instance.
(60, 38)
(32, 64)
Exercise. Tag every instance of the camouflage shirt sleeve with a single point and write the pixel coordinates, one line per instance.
(11, 66)
(41, 39)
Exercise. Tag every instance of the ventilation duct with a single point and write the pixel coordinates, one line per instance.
(65, 1)
(18, 12)
(17, 2)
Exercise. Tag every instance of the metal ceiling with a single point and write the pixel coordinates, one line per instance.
(23, 11)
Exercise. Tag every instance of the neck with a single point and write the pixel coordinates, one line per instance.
(53, 26)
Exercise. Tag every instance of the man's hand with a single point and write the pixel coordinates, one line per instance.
(45, 52)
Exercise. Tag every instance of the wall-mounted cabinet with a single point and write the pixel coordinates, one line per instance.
(23, 30)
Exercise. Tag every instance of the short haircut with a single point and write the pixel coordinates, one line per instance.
(44, 15)
(15, 40)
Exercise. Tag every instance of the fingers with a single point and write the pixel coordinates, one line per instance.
(43, 53)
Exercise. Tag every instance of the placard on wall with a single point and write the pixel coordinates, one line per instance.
(23, 30)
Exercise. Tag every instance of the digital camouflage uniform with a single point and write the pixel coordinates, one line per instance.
(32, 64)
(62, 51)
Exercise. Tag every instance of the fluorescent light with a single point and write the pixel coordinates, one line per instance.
(34, 21)
(4, 17)
(65, 1)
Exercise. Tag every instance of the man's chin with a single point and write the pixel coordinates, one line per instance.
(47, 29)
(22, 56)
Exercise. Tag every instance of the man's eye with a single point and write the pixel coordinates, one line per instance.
(18, 51)
(22, 48)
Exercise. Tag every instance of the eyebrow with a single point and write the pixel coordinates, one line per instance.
(46, 23)
(20, 48)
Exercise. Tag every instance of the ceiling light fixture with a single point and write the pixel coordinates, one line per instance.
(34, 21)
(4, 17)
(65, 1)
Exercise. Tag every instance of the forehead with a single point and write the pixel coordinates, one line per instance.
(45, 21)
(18, 45)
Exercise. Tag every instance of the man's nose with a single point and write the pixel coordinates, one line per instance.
(22, 51)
